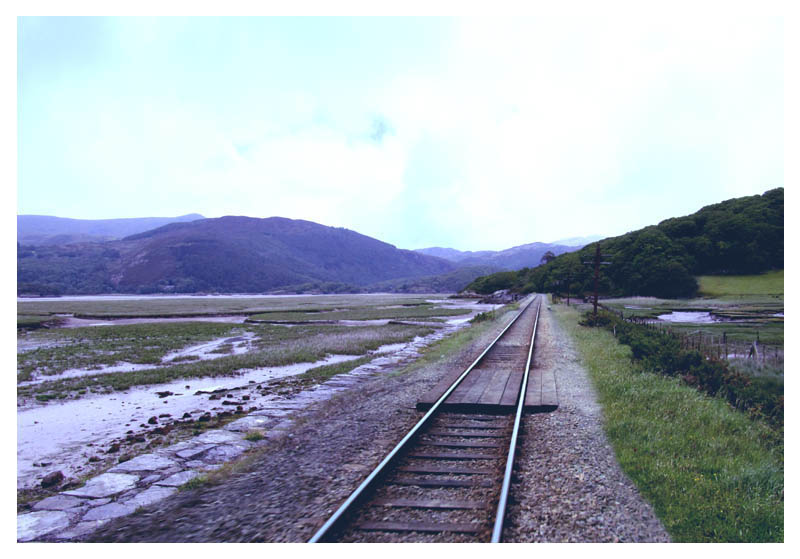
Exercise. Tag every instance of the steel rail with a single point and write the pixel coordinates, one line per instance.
(340, 512)
(501, 506)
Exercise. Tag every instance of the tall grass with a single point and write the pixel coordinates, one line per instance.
(709, 471)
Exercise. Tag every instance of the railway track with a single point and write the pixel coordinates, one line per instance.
(449, 478)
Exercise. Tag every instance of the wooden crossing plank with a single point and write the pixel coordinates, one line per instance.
(533, 394)
(481, 384)
(460, 527)
(458, 395)
(511, 392)
(549, 389)
(436, 392)
(497, 386)
(428, 504)
(543, 397)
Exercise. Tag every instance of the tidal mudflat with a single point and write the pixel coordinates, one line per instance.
(93, 397)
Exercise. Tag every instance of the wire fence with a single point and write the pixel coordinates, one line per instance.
(716, 345)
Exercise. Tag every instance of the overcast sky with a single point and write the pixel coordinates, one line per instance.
(466, 133)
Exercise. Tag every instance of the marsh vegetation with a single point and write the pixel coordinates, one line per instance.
(83, 390)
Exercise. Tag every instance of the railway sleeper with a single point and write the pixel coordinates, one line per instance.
(461, 527)
(428, 504)
(423, 482)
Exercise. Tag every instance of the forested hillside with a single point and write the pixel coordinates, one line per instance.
(738, 236)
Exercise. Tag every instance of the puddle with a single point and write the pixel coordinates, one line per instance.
(465, 304)
(121, 367)
(692, 317)
(375, 322)
(205, 351)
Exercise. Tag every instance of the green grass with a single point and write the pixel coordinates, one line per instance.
(769, 283)
(34, 321)
(708, 470)
(276, 346)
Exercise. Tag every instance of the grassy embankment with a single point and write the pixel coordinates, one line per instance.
(706, 468)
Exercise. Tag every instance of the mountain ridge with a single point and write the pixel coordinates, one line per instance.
(521, 256)
(227, 254)
(53, 230)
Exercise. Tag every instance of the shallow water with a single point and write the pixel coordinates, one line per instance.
(692, 317)
(61, 433)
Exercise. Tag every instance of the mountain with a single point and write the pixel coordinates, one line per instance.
(227, 254)
(50, 230)
(452, 254)
(737, 236)
(522, 256)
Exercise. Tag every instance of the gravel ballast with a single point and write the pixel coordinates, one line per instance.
(569, 486)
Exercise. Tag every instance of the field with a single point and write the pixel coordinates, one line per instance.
(769, 283)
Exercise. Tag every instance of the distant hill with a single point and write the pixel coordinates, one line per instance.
(51, 230)
(228, 254)
(737, 236)
(522, 256)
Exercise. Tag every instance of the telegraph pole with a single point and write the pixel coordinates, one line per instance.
(597, 263)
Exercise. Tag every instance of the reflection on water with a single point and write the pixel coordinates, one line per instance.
(688, 316)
